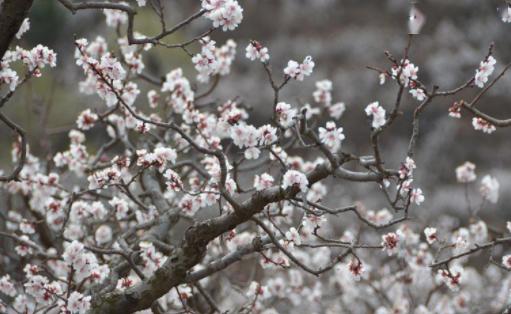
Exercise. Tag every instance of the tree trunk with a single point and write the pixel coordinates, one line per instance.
(12, 14)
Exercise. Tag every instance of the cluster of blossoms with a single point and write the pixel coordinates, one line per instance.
(134, 62)
(223, 13)
(294, 178)
(121, 207)
(212, 60)
(115, 18)
(293, 236)
(76, 157)
(298, 71)
(80, 213)
(105, 222)
(407, 72)
(181, 93)
(174, 182)
(405, 243)
(151, 258)
(452, 277)
(480, 124)
(256, 51)
(226, 14)
(484, 71)
(455, 110)
(252, 138)
(104, 73)
(159, 158)
(84, 264)
(380, 217)
(405, 187)
(39, 291)
(114, 174)
(406, 169)
(323, 95)
(35, 60)
(263, 181)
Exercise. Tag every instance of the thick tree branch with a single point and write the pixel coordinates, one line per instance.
(193, 248)
(257, 244)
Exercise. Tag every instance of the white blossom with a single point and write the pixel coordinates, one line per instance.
(77, 303)
(103, 234)
(490, 188)
(263, 181)
(506, 261)
(431, 235)
(331, 136)
(336, 110)
(286, 114)
(357, 269)
(7, 286)
(86, 120)
(390, 243)
(418, 93)
(416, 196)
(506, 15)
(10, 77)
(466, 172)
(382, 78)
(115, 18)
(377, 112)
(323, 94)
(293, 236)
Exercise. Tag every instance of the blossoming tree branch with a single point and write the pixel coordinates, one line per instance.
(101, 232)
